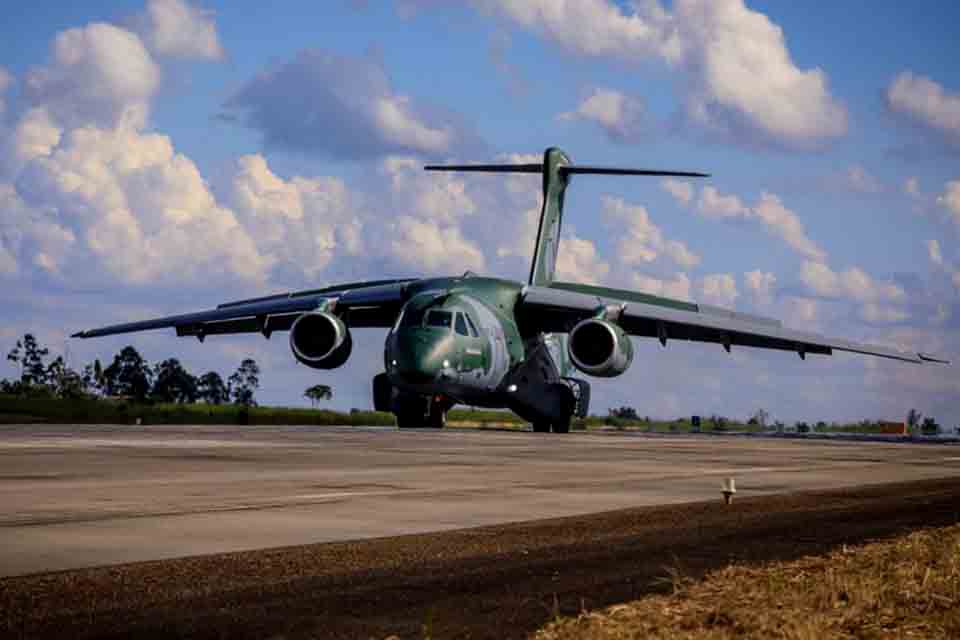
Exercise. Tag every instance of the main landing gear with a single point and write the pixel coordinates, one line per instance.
(574, 397)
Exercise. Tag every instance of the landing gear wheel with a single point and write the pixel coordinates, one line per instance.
(562, 427)
(411, 412)
(409, 420)
(438, 416)
(541, 427)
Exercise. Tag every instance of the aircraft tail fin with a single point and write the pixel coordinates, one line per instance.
(556, 170)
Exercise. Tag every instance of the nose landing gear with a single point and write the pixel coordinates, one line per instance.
(417, 412)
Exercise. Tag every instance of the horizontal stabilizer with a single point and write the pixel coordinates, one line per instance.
(488, 168)
(617, 171)
(563, 169)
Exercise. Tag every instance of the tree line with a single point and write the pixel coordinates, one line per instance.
(915, 422)
(129, 375)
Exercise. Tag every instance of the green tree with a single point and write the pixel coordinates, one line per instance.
(913, 419)
(624, 413)
(29, 355)
(128, 375)
(211, 388)
(173, 383)
(244, 382)
(929, 427)
(92, 377)
(63, 381)
(318, 392)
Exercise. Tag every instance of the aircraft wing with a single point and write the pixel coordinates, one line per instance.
(560, 306)
(359, 304)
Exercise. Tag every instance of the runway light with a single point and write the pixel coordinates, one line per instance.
(729, 488)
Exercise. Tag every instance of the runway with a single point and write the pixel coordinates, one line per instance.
(80, 496)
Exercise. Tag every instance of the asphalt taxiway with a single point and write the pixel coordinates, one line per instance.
(79, 496)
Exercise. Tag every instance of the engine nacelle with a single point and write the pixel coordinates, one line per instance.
(320, 340)
(600, 348)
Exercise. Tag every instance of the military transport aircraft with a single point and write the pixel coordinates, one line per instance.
(491, 342)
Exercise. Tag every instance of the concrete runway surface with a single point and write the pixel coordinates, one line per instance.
(79, 496)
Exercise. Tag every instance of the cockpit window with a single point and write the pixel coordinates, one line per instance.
(439, 319)
(412, 317)
(473, 327)
(461, 325)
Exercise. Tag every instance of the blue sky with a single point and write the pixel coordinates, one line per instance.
(164, 156)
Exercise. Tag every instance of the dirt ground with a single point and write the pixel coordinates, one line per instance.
(489, 582)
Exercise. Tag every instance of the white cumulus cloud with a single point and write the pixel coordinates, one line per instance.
(719, 289)
(677, 287)
(743, 82)
(181, 30)
(424, 244)
(578, 261)
(883, 314)
(714, 204)
(770, 210)
(99, 74)
(925, 102)
(620, 116)
(301, 223)
(644, 241)
(681, 190)
(138, 209)
(852, 283)
(760, 284)
(344, 106)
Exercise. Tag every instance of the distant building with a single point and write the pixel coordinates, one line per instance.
(893, 428)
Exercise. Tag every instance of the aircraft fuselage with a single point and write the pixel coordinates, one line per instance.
(459, 339)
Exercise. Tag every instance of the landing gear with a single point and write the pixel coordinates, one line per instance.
(411, 411)
(437, 416)
(559, 421)
(545, 426)
(417, 412)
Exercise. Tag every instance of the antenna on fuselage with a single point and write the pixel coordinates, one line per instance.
(556, 169)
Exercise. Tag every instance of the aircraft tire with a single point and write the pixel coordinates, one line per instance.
(562, 426)
(409, 420)
(541, 426)
(437, 418)
(411, 412)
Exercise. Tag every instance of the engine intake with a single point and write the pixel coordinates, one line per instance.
(600, 348)
(320, 340)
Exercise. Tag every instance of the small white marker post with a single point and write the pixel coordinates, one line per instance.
(729, 488)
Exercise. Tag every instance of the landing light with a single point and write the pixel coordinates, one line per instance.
(446, 364)
(512, 388)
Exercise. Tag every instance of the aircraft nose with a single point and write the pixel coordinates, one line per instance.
(418, 359)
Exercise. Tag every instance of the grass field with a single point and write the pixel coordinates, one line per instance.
(19, 409)
(907, 587)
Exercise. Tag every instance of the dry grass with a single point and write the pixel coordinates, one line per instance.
(908, 587)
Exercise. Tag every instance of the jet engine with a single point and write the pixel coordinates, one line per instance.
(600, 348)
(320, 340)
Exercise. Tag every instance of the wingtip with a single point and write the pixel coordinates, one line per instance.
(928, 358)
(79, 334)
